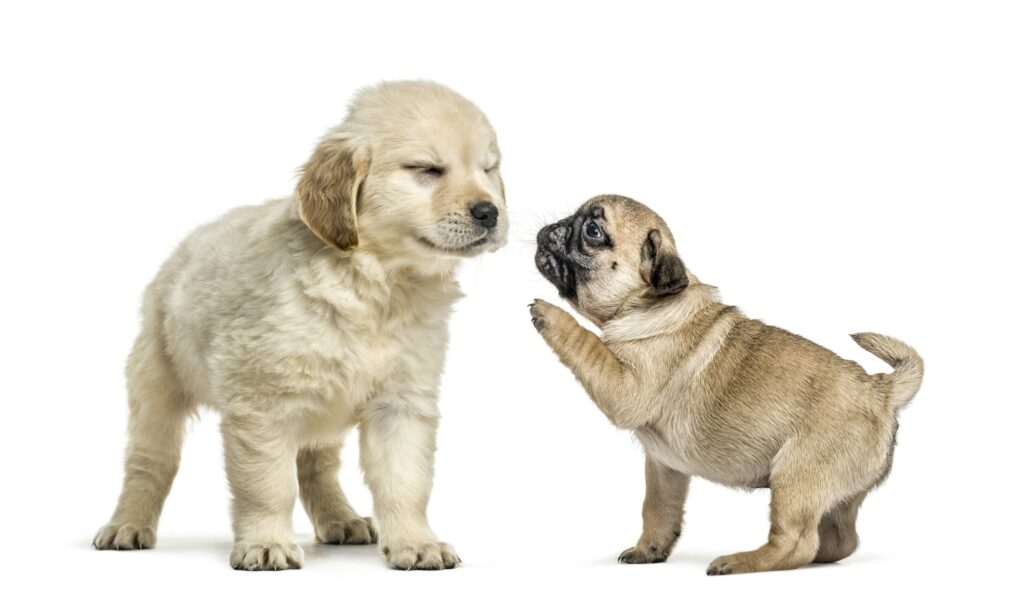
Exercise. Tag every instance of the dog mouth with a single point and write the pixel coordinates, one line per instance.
(470, 249)
(559, 271)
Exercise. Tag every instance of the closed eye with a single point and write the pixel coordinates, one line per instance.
(432, 170)
(490, 169)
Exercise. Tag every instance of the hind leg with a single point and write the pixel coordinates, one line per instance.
(796, 510)
(837, 531)
(334, 520)
(838, 528)
(817, 480)
(159, 409)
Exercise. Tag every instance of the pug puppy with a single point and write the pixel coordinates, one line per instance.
(712, 393)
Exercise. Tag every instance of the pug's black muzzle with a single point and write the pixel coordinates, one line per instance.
(552, 259)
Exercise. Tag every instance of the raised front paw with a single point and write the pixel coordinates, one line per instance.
(421, 556)
(247, 555)
(544, 314)
(538, 310)
(353, 531)
(124, 536)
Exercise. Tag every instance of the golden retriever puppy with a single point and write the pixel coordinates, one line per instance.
(305, 316)
(712, 393)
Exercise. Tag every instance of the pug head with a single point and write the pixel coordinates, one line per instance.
(612, 254)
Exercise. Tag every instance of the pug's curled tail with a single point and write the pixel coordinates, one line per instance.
(908, 367)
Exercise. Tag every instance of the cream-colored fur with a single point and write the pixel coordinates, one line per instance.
(305, 316)
(712, 393)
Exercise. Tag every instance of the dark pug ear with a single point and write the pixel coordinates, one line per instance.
(328, 191)
(661, 268)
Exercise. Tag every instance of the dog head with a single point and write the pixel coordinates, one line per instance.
(613, 251)
(413, 171)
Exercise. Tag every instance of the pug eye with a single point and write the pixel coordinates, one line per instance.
(592, 231)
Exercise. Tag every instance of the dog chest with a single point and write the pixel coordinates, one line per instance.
(370, 350)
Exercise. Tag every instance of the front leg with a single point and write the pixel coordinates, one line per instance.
(260, 463)
(663, 514)
(612, 385)
(397, 441)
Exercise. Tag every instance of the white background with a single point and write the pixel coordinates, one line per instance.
(831, 167)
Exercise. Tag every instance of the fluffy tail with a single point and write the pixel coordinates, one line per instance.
(908, 366)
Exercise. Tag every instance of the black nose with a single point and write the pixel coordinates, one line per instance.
(485, 213)
(559, 234)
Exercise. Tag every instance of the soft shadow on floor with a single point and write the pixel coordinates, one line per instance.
(219, 547)
(183, 544)
(317, 552)
(677, 558)
(701, 560)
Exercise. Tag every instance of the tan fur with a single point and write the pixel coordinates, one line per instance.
(308, 315)
(327, 193)
(712, 393)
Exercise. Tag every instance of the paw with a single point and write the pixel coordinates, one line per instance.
(542, 313)
(118, 535)
(247, 555)
(355, 531)
(649, 554)
(422, 556)
(728, 565)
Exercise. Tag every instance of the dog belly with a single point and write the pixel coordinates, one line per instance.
(696, 460)
(664, 454)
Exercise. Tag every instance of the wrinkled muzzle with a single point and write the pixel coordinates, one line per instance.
(552, 258)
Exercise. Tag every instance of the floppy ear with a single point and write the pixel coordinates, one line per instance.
(328, 190)
(661, 268)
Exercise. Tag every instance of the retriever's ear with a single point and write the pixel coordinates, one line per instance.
(661, 268)
(328, 190)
